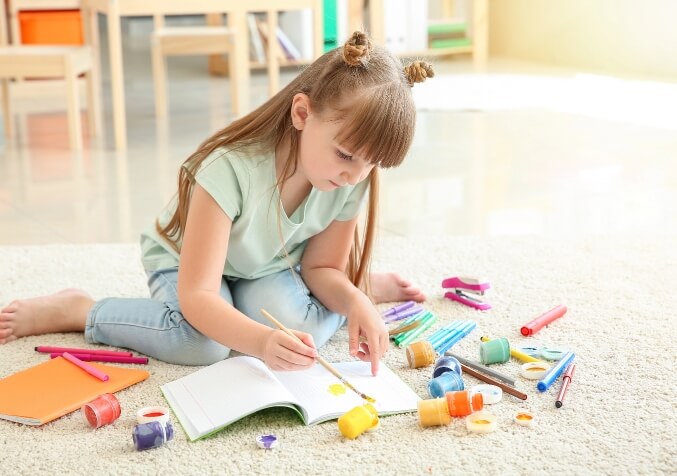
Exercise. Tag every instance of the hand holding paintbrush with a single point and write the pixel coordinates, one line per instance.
(319, 359)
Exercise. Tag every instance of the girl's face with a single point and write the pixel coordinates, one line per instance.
(325, 163)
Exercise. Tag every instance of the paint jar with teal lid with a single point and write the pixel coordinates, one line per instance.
(447, 382)
(447, 363)
(495, 351)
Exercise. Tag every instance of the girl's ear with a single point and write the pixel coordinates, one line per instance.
(300, 110)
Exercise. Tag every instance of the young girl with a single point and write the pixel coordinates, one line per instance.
(266, 217)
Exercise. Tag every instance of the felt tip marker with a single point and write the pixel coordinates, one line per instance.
(121, 359)
(566, 381)
(48, 349)
(93, 371)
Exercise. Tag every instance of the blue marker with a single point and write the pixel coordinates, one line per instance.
(555, 372)
(460, 333)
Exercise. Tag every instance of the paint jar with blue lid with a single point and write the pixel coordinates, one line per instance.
(447, 363)
(495, 351)
(447, 382)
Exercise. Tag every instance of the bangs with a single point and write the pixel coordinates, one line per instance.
(379, 124)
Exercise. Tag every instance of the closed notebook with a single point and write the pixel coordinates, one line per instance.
(56, 387)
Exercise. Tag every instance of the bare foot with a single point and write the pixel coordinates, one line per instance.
(391, 287)
(65, 311)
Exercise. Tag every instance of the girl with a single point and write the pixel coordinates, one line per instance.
(266, 217)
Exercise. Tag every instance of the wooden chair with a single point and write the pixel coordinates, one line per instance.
(68, 62)
(190, 40)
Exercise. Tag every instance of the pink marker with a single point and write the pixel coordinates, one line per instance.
(86, 367)
(543, 320)
(121, 359)
(48, 349)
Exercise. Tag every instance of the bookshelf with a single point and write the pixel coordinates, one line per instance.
(476, 44)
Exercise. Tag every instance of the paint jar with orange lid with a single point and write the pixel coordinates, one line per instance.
(358, 420)
(433, 412)
(463, 403)
(420, 354)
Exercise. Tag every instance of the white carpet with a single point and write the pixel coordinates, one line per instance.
(618, 417)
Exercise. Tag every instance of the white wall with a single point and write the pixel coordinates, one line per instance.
(623, 36)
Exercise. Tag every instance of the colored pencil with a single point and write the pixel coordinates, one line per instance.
(322, 362)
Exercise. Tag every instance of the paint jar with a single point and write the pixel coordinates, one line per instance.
(447, 382)
(495, 351)
(433, 412)
(147, 414)
(462, 403)
(103, 410)
(151, 435)
(420, 354)
(447, 364)
(358, 420)
(481, 422)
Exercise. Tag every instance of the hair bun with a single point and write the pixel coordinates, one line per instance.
(418, 71)
(357, 49)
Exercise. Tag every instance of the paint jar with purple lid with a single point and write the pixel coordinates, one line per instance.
(151, 435)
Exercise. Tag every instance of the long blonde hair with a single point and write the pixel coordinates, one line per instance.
(363, 86)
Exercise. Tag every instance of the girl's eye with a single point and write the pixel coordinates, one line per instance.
(343, 156)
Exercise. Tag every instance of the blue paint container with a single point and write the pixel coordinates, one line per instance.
(151, 435)
(447, 364)
(447, 382)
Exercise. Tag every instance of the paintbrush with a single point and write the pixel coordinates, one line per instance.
(321, 361)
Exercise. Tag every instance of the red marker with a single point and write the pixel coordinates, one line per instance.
(566, 380)
(48, 349)
(543, 320)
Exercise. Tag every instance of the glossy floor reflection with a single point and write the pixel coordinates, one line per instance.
(506, 152)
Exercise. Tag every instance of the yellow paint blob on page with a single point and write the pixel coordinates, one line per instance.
(337, 389)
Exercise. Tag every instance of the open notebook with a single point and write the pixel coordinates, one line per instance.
(212, 398)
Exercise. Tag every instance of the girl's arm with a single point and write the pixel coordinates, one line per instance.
(203, 254)
(323, 268)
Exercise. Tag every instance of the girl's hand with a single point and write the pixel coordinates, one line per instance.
(364, 320)
(282, 352)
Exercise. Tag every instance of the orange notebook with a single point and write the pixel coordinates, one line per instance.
(56, 387)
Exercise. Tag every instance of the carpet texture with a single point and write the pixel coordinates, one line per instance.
(618, 417)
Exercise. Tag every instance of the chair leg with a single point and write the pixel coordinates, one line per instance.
(236, 103)
(6, 108)
(74, 121)
(93, 104)
(159, 79)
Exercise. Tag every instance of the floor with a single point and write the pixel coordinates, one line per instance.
(517, 150)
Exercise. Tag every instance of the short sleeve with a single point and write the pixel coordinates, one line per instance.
(220, 179)
(354, 202)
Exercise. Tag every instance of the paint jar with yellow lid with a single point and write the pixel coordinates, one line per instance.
(433, 412)
(420, 354)
(358, 420)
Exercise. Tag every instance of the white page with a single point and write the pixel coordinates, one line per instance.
(311, 388)
(223, 393)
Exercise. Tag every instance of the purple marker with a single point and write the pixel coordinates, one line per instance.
(398, 308)
(412, 311)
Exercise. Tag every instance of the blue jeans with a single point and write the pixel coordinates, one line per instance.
(156, 327)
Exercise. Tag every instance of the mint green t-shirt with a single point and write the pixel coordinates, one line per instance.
(243, 185)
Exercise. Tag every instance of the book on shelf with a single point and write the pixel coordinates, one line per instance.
(256, 51)
(216, 396)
